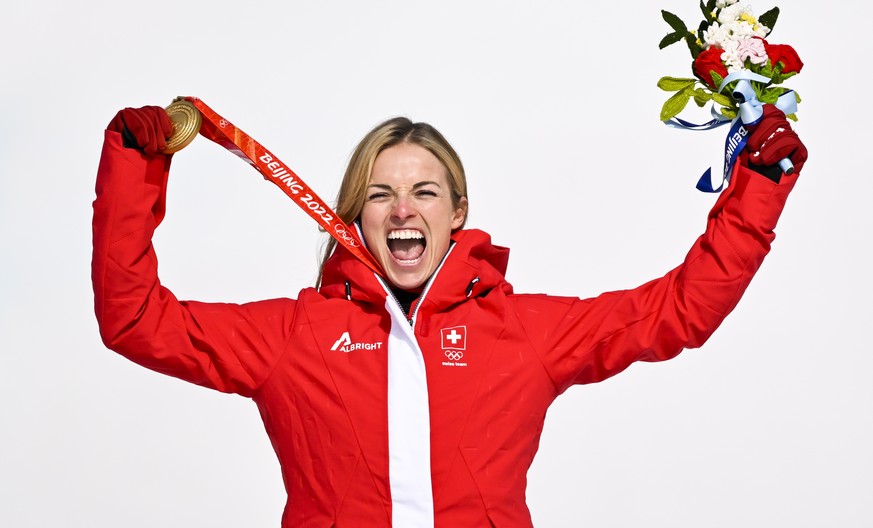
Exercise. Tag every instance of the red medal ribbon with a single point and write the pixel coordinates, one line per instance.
(223, 132)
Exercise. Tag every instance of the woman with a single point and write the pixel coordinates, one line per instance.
(416, 399)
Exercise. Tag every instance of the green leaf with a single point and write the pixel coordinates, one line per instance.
(673, 84)
(707, 10)
(701, 96)
(723, 100)
(765, 69)
(770, 95)
(776, 69)
(675, 104)
(729, 113)
(769, 18)
(716, 79)
(793, 117)
(672, 38)
(674, 21)
(693, 46)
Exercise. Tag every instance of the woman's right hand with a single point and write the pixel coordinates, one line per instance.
(773, 139)
(145, 129)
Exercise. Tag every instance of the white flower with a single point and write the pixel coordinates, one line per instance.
(721, 4)
(715, 35)
(720, 34)
(735, 22)
(760, 30)
(742, 14)
(730, 56)
(733, 13)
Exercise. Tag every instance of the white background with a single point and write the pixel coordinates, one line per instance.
(554, 110)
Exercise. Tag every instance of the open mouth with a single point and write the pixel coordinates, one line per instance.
(406, 245)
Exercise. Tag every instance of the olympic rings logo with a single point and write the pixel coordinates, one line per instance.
(454, 355)
(344, 236)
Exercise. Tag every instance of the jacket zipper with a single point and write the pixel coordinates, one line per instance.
(394, 297)
(413, 308)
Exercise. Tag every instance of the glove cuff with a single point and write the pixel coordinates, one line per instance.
(128, 139)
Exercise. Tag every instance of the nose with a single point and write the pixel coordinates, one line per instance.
(403, 207)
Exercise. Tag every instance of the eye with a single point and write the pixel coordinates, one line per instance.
(426, 193)
(380, 195)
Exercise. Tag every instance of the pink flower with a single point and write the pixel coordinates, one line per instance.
(752, 49)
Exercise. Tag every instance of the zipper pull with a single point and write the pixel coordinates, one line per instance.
(411, 311)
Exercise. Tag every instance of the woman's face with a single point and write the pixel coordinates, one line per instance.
(408, 215)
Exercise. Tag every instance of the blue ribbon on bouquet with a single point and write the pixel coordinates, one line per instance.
(750, 112)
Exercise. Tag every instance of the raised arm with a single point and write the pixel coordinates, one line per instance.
(585, 341)
(231, 348)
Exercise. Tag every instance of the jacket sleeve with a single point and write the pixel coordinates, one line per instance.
(227, 347)
(586, 341)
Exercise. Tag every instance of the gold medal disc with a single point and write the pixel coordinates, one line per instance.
(186, 121)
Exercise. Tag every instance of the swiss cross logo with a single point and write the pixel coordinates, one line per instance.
(454, 338)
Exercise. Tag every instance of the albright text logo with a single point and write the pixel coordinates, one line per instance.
(345, 344)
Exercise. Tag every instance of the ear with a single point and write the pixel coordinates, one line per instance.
(460, 214)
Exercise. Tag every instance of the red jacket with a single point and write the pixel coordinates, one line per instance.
(373, 425)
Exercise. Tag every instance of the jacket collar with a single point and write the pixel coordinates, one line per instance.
(474, 266)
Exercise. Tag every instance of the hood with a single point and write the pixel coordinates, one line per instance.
(474, 266)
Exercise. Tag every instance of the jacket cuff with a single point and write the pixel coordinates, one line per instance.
(771, 172)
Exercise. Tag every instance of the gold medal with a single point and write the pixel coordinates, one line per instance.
(186, 121)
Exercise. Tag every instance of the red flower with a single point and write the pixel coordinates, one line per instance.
(785, 54)
(707, 63)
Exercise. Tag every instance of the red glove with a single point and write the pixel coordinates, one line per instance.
(146, 128)
(771, 140)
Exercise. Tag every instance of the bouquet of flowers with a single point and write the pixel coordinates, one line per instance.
(730, 39)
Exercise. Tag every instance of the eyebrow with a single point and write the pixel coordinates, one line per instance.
(415, 186)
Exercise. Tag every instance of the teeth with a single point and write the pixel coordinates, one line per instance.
(405, 234)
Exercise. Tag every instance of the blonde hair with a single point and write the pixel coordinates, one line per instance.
(353, 191)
